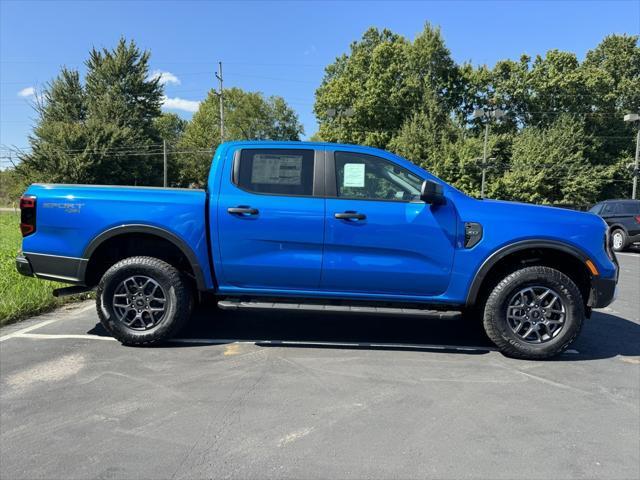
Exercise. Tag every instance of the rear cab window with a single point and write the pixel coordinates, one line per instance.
(275, 171)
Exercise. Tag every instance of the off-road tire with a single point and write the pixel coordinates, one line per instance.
(495, 313)
(625, 241)
(179, 300)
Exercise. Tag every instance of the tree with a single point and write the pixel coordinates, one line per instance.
(550, 165)
(412, 98)
(170, 127)
(12, 186)
(422, 136)
(247, 116)
(102, 131)
(384, 80)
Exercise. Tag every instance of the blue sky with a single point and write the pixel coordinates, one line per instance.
(278, 48)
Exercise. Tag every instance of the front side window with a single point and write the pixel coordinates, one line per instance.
(608, 208)
(361, 176)
(275, 171)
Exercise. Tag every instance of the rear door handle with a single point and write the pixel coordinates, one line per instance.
(350, 216)
(243, 211)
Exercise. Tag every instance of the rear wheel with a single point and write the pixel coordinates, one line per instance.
(143, 301)
(534, 313)
(618, 240)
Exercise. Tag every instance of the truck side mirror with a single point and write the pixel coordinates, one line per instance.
(431, 192)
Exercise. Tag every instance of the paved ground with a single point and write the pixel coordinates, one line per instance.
(321, 396)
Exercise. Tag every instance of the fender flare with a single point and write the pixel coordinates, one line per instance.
(499, 254)
(151, 230)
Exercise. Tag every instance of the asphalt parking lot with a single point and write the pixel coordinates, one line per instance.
(273, 394)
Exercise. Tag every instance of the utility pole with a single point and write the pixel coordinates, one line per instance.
(487, 115)
(484, 158)
(635, 168)
(219, 77)
(164, 154)
(634, 117)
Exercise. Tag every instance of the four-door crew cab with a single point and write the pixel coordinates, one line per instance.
(323, 226)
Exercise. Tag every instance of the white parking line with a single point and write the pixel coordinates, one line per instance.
(56, 336)
(67, 316)
(28, 329)
(625, 254)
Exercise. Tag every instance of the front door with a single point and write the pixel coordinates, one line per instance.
(271, 220)
(379, 237)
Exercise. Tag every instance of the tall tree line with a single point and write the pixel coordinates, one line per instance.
(108, 128)
(563, 139)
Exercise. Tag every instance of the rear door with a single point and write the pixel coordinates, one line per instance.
(628, 214)
(271, 219)
(379, 237)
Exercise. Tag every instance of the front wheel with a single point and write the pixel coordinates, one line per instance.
(534, 313)
(143, 301)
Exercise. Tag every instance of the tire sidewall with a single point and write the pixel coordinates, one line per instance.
(624, 240)
(128, 268)
(568, 293)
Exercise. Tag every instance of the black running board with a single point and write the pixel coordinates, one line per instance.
(318, 307)
(63, 292)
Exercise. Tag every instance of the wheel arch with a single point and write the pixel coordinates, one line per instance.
(618, 226)
(517, 252)
(127, 231)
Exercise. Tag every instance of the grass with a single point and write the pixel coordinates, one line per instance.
(20, 296)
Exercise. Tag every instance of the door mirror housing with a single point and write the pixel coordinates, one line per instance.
(431, 192)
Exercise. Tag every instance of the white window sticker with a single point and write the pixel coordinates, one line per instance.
(353, 175)
(277, 169)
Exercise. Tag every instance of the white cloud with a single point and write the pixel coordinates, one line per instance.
(180, 104)
(165, 77)
(311, 50)
(27, 92)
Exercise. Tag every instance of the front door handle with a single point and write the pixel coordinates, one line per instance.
(243, 211)
(350, 216)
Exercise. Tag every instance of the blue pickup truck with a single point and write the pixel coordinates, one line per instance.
(320, 226)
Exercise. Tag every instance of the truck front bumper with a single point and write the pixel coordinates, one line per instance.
(603, 292)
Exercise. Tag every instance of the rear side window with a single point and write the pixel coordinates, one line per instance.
(629, 208)
(275, 171)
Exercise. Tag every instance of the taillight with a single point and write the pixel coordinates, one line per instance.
(637, 218)
(27, 215)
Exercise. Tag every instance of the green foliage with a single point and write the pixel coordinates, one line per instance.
(247, 116)
(384, 80)
(170, 127)
(12, 186)
(102, 131)
(564, 118)
(550, 165)
(563, 138)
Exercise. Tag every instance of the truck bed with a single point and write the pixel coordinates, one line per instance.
(71, 217)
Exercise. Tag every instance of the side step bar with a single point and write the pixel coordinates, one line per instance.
(317, 307)
(63, 292)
